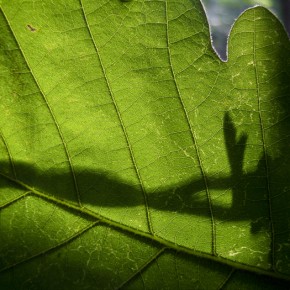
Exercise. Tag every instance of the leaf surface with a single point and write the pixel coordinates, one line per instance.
(132, 157)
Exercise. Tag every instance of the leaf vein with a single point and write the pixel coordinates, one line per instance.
(9, 154)
(193, 137)
(149, 223)
(142, 268)
(51, 249)
(258, 93)
(49, 109)
(160, 240)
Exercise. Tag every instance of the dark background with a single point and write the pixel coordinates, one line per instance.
(222, 14)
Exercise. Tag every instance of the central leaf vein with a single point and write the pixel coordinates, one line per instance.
(154, 238)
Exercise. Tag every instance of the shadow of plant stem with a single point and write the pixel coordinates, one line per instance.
(249, 191)
(248, 201)
(242, 196)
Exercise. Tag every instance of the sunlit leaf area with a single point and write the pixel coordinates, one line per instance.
(132, 156)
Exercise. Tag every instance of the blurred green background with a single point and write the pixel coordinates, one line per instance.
(222, 14)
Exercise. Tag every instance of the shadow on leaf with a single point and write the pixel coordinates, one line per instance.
(249, 200)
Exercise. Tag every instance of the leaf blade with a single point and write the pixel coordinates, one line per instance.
(190, 170)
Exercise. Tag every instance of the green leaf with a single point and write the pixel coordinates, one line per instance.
(132, 157)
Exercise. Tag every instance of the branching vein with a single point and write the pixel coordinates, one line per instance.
(50, 111)
(193, 137)
(149, 223)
